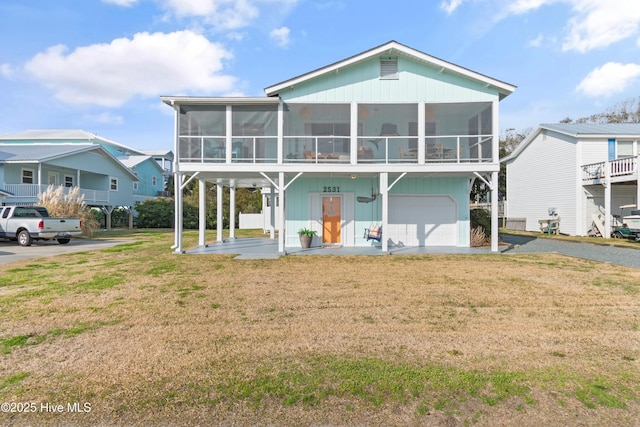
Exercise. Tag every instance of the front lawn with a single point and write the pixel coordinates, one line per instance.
(137, 335)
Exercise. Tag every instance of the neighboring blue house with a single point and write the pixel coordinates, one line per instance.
(26, 170)
(146, 173)
(390, 137)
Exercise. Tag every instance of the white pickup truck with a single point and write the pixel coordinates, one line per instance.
(26, 224)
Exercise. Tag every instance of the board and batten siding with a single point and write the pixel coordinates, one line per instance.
(303, 209)
(544, 176)
(416, 82)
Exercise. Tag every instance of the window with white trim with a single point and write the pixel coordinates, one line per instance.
(68, 180)
(113, 184)
(624, 149)
(27, 176)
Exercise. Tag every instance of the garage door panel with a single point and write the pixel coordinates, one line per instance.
(422, 221)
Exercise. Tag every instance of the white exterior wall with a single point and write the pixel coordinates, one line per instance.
(541, 177)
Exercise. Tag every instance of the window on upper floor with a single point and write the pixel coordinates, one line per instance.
(154, 180)
(624, 149)
(27, 176)
(113, 184)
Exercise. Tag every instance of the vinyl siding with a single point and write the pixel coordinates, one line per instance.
(416, 82)
(541, 177)
(301, 213)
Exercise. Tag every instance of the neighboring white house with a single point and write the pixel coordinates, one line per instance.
(391, 137)
(583, 172)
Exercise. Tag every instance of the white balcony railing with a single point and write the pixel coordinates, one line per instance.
(627, 166)
(31, 191)
(337, 149)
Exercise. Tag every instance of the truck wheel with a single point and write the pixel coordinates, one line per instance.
(24, 238)
(64, 241)
(617, 235)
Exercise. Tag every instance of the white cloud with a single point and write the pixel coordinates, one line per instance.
(537, 42)
(6, 71)
(105, 118)
(223, 14)
(609, 79)
(280, 36)
(449, 6)
(600, 23)
(519, 7)
(146, 66)
(125, 3)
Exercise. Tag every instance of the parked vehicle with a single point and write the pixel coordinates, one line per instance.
(630, 227)
(26, 224)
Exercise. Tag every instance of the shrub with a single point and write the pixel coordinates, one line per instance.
(155, 213)
(481, 218)
(70, 205)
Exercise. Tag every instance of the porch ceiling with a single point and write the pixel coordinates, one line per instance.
(257, 180)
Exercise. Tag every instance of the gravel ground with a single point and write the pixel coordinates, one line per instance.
(629, 257)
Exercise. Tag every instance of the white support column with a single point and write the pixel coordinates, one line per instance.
(607, 200)
(282, 230)
(421, 133)
(494, 211)
(202, 212)
(280, 132)
(272, 212)
(384, 191)
(177, 189)
(228, 142)
(177, 184)
(495, 130)
(232, 212)
(353, 152)
(219, 216)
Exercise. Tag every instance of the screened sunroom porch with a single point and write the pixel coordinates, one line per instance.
(263, 130)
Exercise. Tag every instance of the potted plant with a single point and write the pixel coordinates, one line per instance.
(306, 236)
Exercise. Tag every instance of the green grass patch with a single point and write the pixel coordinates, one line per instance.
(12, 379)
(7, 345)
(375, 382)
(101, 282)
(161, 270)
(125, 247)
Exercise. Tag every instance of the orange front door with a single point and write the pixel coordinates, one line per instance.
(331, 206)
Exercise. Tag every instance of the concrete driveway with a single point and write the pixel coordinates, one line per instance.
(605, 252)
(11, 251)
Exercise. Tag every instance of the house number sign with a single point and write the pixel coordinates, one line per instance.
(331, 189)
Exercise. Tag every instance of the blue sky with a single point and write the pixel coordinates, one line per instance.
(101, 65)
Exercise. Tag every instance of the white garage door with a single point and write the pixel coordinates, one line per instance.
(422, 221)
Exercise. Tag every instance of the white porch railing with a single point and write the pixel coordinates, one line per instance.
(627, 166)
(31, 191)
(337, 149)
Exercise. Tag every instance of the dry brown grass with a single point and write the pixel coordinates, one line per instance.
(148, 338)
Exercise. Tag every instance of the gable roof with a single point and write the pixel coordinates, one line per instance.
(395, 48)
(580, 131)
(38, 153)
(133, 161)
(62, 135)
(41, 153)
